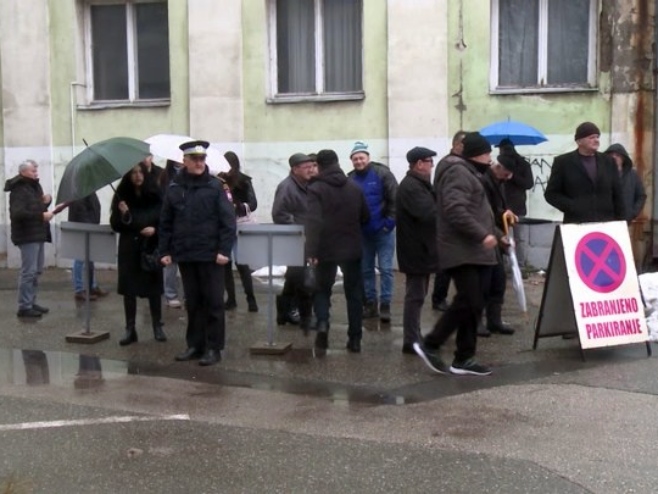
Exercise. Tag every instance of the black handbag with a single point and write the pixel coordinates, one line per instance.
(310, 278)
(149, 257)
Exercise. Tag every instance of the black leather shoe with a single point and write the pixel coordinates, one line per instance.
(442, 306)
(29, 313)
(252, 306)
(40, 308)
(292, 316)
(230, 305)
(211, 357)
(353, 345)
(189, 354)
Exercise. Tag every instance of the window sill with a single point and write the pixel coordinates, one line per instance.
(315, 98)
(542, 90)
(107, 105)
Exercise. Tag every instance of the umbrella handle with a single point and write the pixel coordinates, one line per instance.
(509, 219)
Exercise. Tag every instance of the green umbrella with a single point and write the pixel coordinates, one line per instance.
(99, 165)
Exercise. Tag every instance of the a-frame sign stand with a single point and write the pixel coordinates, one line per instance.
(558, 309)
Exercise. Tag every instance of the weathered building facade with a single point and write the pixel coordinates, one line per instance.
(267, 78)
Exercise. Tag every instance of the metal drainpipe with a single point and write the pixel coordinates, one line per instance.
(654, 209)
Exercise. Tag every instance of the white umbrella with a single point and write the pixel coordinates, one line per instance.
(167, 146)
(517, 278)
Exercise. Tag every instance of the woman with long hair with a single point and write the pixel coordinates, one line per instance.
(244, 201)
(135, 216)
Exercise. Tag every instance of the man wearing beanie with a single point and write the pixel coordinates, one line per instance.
(584, 184)
(291, 208)
(336, 211)
(466, 242)
(416, 239)
(379, 187)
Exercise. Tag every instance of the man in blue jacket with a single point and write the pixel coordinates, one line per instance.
(379, 188)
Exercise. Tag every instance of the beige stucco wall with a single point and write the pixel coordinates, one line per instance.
(26, 92)
(417, 77)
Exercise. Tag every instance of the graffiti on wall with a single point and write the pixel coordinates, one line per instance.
(537, 205)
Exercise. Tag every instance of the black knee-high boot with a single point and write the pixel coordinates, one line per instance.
(229, 286)
(155, 307)
(248, 285)
(130, 311)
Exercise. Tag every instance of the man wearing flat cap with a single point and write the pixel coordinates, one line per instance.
(290, 207)
(467, 238)
(584, 184)
(416, 239)
(197, 230)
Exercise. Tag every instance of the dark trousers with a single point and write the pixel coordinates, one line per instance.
(245, 277)
(203, 283)
(294, 294)
(465, 311)
(353, 285)
(130, 310)
(441, 285)
(496, 292)
(414, 298)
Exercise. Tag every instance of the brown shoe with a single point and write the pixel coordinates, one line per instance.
(99, 292)
(81, 296)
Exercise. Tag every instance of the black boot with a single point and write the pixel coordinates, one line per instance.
(251, 303)
(248, 285)
(494, 320)
(155, 307)
(129, 311)
(322, 336)
(229, 285)
(158, 333)
(129, 337)
(281, 309)
(482, 331)
(385, 312)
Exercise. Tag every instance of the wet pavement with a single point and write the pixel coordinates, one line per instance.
(544, 422)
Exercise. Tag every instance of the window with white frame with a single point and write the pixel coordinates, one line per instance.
(127, 50)
(316, 48)
(543, 45)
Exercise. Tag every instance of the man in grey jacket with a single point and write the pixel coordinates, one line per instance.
(467, 239)
(291, 208)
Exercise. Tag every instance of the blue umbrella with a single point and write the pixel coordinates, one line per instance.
(517, 132)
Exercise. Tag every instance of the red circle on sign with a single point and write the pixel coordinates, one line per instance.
(600, 262)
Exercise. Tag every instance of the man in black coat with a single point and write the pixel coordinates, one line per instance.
(416, 239)
(30, 229)
(85, 210)
(197, 230)
(337, 210)
(584, 184)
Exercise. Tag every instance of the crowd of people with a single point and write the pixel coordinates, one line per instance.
(448, 225)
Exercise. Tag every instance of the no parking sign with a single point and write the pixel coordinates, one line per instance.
(592, 287)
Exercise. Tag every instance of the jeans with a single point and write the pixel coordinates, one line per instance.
(171, 281)
(78, 276)
(326, 277)
(381, 245)
(32, 257)
(414, 298)
(464, 313)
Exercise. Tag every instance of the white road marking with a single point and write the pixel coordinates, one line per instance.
(105, 420)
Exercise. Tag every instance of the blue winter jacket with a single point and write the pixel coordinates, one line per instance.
(379, 187)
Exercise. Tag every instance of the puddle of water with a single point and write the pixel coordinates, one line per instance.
(88, 372)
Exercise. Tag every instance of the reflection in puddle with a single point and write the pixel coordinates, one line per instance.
(89, 372)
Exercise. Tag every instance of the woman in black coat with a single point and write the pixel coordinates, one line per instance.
(244, 201)
(135, 216)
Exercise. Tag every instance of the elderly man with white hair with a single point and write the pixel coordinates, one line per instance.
(30, 229)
